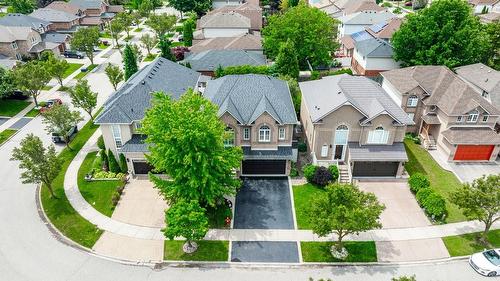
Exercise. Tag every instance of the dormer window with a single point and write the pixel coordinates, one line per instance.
(412, 101)
(378, 136)
(472, 117)
(264, 134)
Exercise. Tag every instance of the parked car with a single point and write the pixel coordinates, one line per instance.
(57, 138)
(486, 263)
(18, 95)
(50, 103)
(73, 54)
(408, 4)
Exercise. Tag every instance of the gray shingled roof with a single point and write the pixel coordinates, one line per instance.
(331, 92)
(484, 77)
(224, 20)
(282, 153)
(53, 15)
(374, 48)
(22, 20)
(135, 144)
(132, 99)
(55, 37)
(246, 97)
(394, 152)
(366, 17)
(211, 59)
(87, 4)
(471, 135)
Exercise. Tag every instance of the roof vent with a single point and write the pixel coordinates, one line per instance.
(132, 109)
(486, 80)
(143, 82)
(339, 92)
(150, 77)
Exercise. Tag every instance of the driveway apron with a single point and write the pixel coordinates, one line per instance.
(264, 251)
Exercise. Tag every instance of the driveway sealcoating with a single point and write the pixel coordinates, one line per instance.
(263, 203)
(264, 251)
(21, 123)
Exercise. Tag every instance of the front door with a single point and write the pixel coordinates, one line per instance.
(339, 152)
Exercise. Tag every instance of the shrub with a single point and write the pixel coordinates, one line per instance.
(302, 147)
(115, 198)
(293, 170)
(100, 143)
(435, 205)
(123, 164)
(119, 189)
(340, 71)
(422, 195)
(322, 176)
(334, 171)
(104, 160)
(418, 181)
(97, 164)
(113, 164)
(397, 11)
(387, 5)
(309, 170)
(315, 75)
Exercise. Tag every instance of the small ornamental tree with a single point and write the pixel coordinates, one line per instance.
(82, 97)
(161, 23)
(343, 210)
(148, 42)
(179, 52)
(129, 62)
(116, 27)
(86, 40)
(115, 75)
(309, 171)
(104, 160)
(6, 82)
(31, 77)
(38, 164)
(56, 67)
(322, 176)
(480, 200)
(123, 164)
(186, 219)
(286, 61)
(60, 120)
(113, 164)
(126, 20)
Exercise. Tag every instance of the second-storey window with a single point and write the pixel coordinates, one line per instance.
(246, 133)
(473, 115)
(485, 118)
(281, 133)
(378, 136)
(412, 101)
(264, 134)
(229, 137)
(14, 45)
(117, 135)
(459, 119)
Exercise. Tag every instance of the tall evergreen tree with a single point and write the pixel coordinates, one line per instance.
(165, 48)
(129, 62)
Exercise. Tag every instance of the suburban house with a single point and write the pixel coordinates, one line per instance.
(359, 21)
(372, 56)
(352, 122)
(352, 7)
(338, 8)
(485, 5)
(224, 24)
(121, 116)
(95, 12)
(222, 3)
(251, 11)
(247, 42)
(259, 113)
(484, 79)
(449, 114)
(22, 41)
(327, 6)
(207, 62)
(60, 20)
(490, 17)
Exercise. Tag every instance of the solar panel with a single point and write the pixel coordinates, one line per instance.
(361, 36)
(378, 26)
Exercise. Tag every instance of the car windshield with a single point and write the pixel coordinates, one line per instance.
(493, 257)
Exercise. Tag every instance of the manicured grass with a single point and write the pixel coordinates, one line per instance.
(5, 134)
(467, 244)
(320, 251)
(59, 210)
(207, 251)
(150, 57)
(217, 216)
(97, 193)
(72, 68)
(442, 181)
(82, 74)
(32, 113)
(302, 196)
(139, 29)
(177, 44)
(105, 35)
(10, 108)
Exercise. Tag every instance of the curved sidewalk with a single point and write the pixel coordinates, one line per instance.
(154, 233)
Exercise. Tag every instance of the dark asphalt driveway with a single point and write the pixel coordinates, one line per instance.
(263, 203)
(264, 251)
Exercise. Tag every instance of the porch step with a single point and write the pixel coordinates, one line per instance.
(343, 175)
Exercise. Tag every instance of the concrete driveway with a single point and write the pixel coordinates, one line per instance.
(264, 203)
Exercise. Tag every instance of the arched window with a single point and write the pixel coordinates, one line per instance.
(412, 101)
(229, 137)
(264, 134)
(378, 136)
(473, 115)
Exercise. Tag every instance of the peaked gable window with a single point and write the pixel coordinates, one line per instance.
(264, 134)
(378, 136)
(412, 101)
(472, 117)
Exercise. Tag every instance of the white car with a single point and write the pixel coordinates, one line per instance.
(486, 263)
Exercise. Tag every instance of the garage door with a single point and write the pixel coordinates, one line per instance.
(473, 152)
(263, 167)
(375, 169)
(141, 167)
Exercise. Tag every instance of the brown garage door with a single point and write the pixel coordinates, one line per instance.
(473, 152)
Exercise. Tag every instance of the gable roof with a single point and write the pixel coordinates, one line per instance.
(443, 87)
(10, 34)
(225, 20)
(133, 98)
(359, 6)
(385, 29)
(366, 17)
(247, 9)
(331, 92)
(22, 20)
(53, 15)
(246, 97)
(211, 59)
(484, 77)
(87, 4)
(64, 7)
(249, 42)
(374, 48)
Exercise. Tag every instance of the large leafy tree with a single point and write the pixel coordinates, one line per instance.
(39, 164)
(60, 119)
(22, 6)
(480, 200)
(31, 77)
(185, 139)
(161, 23)
(82, 97)
(126, 20)
(198, 6)
(115, 75)
(56, 67)
(86, 40)
(148, 42)
(6, 82)
(286, 61)
(311, 31)
(446, 33)
(116, 27)
(344, 209)
(493, 30)
(186, 219)
(129, 61)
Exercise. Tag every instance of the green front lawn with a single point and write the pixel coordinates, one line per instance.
(97, 193)
(139, 29)
(320, 251)
(150, 57)
(72, 68)
(32, 113)
(105, 35)
(6, 134)
(9, 108)
(82, 74)
(59, 210)
(442, 181)
(177, 44)
(463, 245)
(302, 196)
(207, 251)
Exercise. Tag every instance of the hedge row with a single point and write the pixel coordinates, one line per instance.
(432, 202)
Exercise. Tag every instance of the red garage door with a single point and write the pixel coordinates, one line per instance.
(473, 152)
